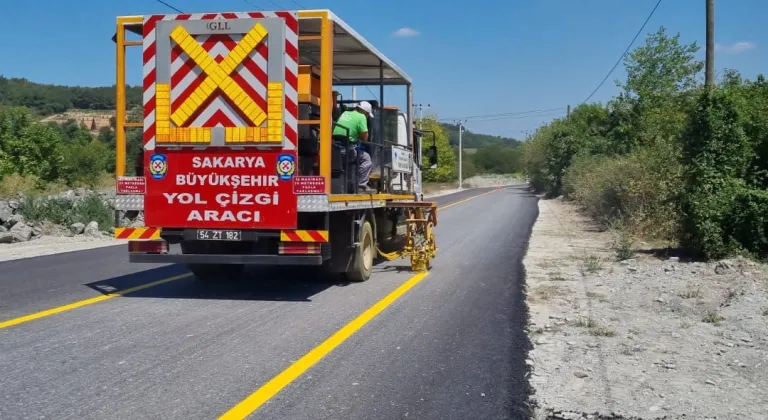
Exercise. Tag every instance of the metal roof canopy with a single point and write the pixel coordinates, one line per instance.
(356, 62)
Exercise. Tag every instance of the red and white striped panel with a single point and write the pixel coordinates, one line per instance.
(251, 75)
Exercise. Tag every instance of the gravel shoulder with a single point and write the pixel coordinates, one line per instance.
(649, 337)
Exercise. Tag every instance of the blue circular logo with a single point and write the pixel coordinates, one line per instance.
(158, 166)
(286, 167)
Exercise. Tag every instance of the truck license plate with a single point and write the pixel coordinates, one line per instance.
(219, 235)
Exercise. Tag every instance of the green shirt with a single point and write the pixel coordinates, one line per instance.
(355, 121)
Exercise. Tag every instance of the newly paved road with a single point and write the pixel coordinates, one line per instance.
(451, 347)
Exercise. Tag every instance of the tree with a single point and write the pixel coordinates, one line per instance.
(446, 159)
(661, 67)
(27, 147)
(660, 77)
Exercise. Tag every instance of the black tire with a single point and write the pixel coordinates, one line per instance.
(210, 273)
(363, 256)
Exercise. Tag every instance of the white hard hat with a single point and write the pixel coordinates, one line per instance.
(366, 106)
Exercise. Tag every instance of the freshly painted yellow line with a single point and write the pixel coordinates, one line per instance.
(268, 390)
(466, 199)
(74, 305)
(251, 403)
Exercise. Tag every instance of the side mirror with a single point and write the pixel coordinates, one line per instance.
(432, 157)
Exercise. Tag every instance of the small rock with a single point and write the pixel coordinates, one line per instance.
(654, 409)
(6, 238)
(542, 341)
(580, 374)
(68, 195)
(632, 269)
(92, 230)
(482, 394)
(630, 261)
(21, 232)
(5, 213)
(3, 229)
(13, 220)
(660, 300)
(77, 228)
(529, 362)
(710, 382)
(669, 268)
(670, 366)
(746, 339)
(14, 204)
(673, 259)
(742, 365)
(723, 266)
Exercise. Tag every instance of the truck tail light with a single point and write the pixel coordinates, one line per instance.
(148, 247)
(298, 248)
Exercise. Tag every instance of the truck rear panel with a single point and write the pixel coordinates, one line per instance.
(220, 120)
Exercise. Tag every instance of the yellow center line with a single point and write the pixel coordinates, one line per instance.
(465, 200)
(255, 400)
(79, 304)
(268, 390)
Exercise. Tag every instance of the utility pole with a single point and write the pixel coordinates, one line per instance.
(568, 112)
(461, 130)
(354, 96)
(709, 73)
(421, 111)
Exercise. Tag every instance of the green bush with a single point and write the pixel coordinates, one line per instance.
(638, 190)
(716, 155)
(63, 211)
(749, 225)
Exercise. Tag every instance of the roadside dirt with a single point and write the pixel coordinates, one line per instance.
(650, 337)
(48, 245)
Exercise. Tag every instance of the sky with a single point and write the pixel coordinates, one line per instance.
(484, 57)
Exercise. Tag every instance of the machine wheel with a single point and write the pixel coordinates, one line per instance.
(210, 273)
(363, 256)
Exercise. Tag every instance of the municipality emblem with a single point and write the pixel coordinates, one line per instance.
(158, 166)
(285, 167)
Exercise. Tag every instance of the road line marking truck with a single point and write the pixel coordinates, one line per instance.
(240, 164)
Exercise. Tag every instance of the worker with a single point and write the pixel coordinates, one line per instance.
(356, 121)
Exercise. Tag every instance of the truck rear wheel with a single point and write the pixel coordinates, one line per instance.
(210, 273)
(363, 256)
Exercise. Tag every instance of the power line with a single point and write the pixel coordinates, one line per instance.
(374, 95)
(519, 117)
(276, 5)
(639, 31)
(504, 114)
(252, 4)
(168, 5)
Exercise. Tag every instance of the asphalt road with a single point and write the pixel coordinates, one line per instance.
(451, 347)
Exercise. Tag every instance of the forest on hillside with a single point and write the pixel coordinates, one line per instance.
(472, 140)
(44, 99)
